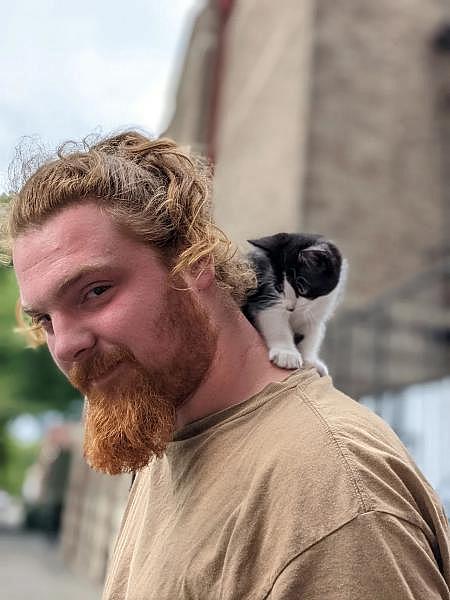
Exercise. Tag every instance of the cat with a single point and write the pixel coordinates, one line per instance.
(300, 280)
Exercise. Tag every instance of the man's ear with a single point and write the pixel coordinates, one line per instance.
(203, 273)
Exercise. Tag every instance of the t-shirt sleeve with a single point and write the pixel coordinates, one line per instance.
(376, 556)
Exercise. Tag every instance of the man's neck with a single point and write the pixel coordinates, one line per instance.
(240, 369)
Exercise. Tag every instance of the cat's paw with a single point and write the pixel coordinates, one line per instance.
(286, 359)
(320, 366)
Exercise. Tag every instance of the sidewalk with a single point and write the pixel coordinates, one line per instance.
(30, 567)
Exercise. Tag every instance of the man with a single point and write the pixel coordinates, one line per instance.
(252, 482)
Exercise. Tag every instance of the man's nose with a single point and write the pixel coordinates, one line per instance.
(72, 341)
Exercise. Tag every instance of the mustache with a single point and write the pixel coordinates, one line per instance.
(82, 374)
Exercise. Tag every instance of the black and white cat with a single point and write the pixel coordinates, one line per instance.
(300, 281)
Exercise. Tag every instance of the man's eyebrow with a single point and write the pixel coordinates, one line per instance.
(67, 283)
(74, 278)
(29, 311)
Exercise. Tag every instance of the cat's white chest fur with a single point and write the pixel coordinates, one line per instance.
(300, 278)
(299, 315)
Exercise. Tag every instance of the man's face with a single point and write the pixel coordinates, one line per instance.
(117, 328)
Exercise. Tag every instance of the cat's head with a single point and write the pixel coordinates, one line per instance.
(310, 263)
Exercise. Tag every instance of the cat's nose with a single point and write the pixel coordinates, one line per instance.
(290, 308)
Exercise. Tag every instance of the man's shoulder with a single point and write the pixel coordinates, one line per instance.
(344, 452)
(313, 416)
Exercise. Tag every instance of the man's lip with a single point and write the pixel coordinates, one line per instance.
(110, 373)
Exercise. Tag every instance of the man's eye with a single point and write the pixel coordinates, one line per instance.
(43, 321)
(98, 290)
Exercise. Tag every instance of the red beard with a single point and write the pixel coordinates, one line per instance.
(131, 419)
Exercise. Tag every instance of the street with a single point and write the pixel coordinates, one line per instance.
(30, 567)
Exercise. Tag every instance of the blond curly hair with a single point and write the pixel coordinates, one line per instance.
(159, 193)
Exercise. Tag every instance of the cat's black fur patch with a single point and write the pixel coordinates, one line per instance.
(311, 273)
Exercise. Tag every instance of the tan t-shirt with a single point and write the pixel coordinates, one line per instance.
(298, 493)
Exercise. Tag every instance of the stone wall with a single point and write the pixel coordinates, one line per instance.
(373, 170)
(327, 122)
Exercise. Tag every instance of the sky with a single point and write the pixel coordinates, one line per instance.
(73, 68)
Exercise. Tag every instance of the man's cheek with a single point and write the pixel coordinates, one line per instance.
(63, 368)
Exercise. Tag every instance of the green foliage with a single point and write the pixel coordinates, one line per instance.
(19, 458)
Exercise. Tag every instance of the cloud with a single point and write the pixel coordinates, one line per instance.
(71, 68)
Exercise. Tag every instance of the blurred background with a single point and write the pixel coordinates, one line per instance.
(327, 117)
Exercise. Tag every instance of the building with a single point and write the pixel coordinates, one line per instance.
(334, 117)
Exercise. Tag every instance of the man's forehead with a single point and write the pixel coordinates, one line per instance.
(80, 229)
(80, 238)
(56, 289)
(76, 240)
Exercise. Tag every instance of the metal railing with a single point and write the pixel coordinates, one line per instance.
(401, 338)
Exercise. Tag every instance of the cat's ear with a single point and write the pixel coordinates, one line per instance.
(270, 243)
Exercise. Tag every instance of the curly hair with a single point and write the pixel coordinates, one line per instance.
(153, 189)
